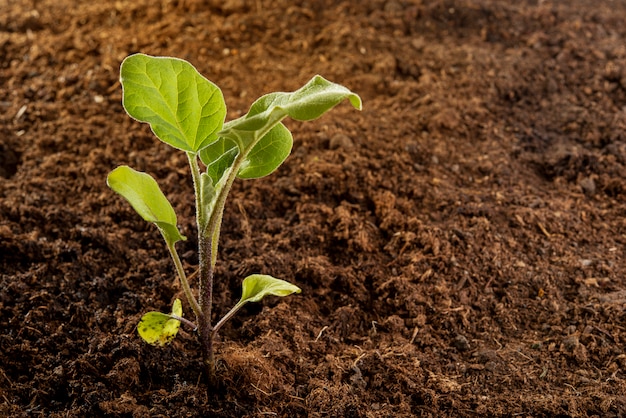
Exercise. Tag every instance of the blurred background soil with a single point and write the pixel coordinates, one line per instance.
(459, 242)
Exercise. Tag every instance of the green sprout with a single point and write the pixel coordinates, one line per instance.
(187, 111)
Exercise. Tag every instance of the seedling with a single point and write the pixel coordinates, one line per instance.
(187, 111)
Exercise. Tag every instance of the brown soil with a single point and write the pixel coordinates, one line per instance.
(459, 243)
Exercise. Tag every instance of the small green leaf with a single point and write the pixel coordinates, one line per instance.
(219, 157)
(160, 328)
(265, 157)
(145, 196)
(208, 194)
(256, 286)
(184, 109)
(207, 189)
(307, 103)
(268, 154)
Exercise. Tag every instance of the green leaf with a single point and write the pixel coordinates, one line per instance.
(207, 190)
(160, 328)
(219, 157)
(265, 157)
(307, 103)
(268, 154)
(208, 193)
(184, 109)
(145, 196)
(265, 143)
(256, 286)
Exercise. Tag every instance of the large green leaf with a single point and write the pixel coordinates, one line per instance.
(307, 103)
(145, 196)
(184, 109)
(256, 286)
(160, 328)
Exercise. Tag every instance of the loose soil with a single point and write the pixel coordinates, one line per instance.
(459, 243)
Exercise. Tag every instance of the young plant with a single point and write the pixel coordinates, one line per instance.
(187, 111)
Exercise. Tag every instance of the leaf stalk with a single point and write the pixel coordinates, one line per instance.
(183, 280)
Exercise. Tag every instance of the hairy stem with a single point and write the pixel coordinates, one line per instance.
(215, 218)
(208, 242)
(206, 284)
(208, 354)
(197, 185)
(205, 273)
(183, 280)
(205, 269)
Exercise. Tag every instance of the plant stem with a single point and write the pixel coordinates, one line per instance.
(184, 321)
(208, 242)
(226, 317)
(206, 342)
(205, 270)
(183, 281)
(206, 301)
(205, 273)
(215, 218)
(197, 185)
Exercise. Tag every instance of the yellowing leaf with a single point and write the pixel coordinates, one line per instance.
(159, 328)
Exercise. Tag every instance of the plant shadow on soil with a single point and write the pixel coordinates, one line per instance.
(459, 243)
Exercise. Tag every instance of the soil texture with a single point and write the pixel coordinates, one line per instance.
(459, 243)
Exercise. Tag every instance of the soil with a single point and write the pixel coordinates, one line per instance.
(459, 243)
